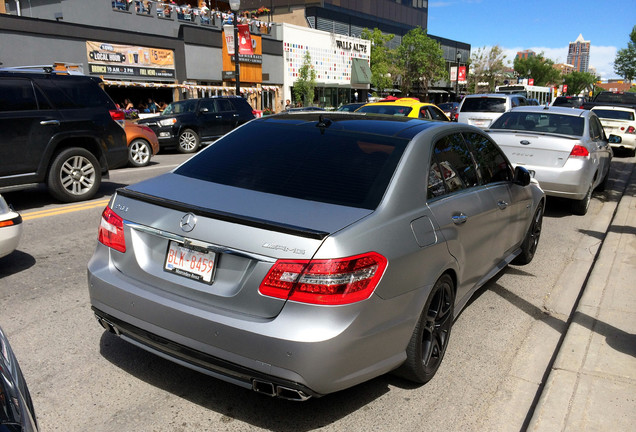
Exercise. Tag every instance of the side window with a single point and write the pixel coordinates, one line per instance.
(492, 163)
(453, 164)
(17, 94)
(436, 114)
(207, 104)
(224, 105)
(596, 130)
(424, 113)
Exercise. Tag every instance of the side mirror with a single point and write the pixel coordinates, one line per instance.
(203, 110)
(615, 139)
(522, 176)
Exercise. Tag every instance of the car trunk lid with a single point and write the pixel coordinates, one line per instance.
(242, 232)
(544, 150)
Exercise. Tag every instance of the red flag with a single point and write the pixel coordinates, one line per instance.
(245, 40)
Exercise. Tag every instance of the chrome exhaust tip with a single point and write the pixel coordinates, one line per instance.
(291, 394)
(264, 387)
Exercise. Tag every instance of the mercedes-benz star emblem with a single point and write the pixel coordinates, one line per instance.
(188, 222)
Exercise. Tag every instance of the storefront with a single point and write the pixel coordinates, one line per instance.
(341, 64)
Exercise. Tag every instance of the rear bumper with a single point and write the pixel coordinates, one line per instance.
(306, 350)
(569, 181)
(10, 236)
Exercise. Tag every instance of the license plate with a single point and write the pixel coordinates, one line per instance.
(192, 264)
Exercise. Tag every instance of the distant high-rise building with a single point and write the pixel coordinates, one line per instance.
(579, 54)
(526, 54)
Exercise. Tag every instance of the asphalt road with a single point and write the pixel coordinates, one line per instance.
(84, 379)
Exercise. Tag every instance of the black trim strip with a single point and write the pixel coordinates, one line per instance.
(197, 358)
(227, 217)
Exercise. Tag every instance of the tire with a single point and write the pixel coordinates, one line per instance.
(531, 240)
(188, 141)
(139, 153)
(579, 207)
(74, 175)
(430, 337)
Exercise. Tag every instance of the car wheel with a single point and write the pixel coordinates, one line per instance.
(188, 141)
(75, 175)
(428, 343)
(579, 207)
(139, 153)
(531, 241)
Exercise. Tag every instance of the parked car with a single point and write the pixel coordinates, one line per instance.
(16, 407)
(612, 98)
(142, 143)
(302, 254)
(620, 121)
(566, 148)
(10, 228)
(406, 107)
(450, 109)
(569, 101)
(350, 107)
(189, 123)
(62, 130)
(482, 110)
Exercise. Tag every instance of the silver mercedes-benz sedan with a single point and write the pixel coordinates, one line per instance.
(566, 148)
(302, 254)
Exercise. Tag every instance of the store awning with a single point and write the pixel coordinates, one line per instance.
(360, 71)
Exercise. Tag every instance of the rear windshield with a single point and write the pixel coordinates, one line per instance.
(484, 104)
(540, 122)
(396, 110)
(301, 161)
(623, 98)
(568, 102)
(614, 114)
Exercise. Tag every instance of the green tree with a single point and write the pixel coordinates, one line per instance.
(306, 82)
(487, 66)
(579, 81)
(382, 64)
(625, 62)
(538, 68)
(420, 59)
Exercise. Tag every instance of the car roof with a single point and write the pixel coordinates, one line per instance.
(575, 112)
(493, 95)
(397, 126)
(614, 108)
(401, 101)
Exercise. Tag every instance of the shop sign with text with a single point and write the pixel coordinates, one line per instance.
(127, 60)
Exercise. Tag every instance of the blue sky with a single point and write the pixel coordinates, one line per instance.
(540, 25)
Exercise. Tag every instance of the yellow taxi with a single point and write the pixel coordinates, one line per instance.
(407, 107)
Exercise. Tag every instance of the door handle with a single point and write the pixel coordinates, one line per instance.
(235, 115)
(219, 117)
(502, 205)
(459, 219)
(50, 122)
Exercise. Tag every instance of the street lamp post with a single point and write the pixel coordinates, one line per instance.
(235, 5)
(459, 57)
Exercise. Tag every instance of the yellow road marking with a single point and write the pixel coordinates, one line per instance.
(65, 209)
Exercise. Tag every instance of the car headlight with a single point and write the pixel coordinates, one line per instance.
(167, 122)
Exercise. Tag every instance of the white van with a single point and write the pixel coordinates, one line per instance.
(482, 110)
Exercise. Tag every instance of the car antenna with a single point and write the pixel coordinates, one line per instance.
(323, 123)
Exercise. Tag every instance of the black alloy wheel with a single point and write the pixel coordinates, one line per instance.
(531, 240)
(431, 334)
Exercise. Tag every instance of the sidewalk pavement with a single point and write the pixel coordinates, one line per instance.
(592, 383)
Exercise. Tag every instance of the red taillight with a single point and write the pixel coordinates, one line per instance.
(326, 281)
(578, 150)
(111, 230)
(119, 116)
(631, 130)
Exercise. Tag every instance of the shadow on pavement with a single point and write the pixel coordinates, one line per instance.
(15, 262)
(237, 403)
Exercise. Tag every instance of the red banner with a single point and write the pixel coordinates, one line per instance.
(462, 74)
(245, 40)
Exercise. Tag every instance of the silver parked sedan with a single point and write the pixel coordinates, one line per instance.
(565, 147)
(302, 254)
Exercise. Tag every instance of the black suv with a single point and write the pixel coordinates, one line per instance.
(58, 129)
(188, 123)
